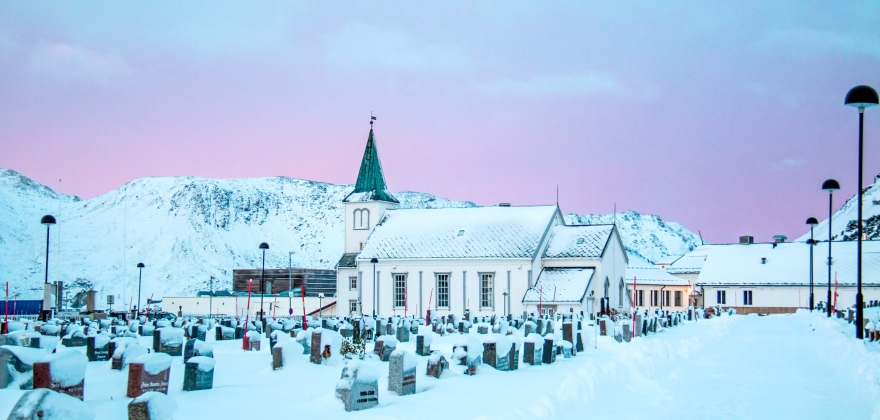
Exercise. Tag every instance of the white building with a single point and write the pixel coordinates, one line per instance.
(775, 277)
(655, 288)
(488, 260)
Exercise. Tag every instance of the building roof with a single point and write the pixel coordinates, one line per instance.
(480, 232)
(652, 276)
(370, 185)
(788, 264)
(692, 262)
(578, 241)
(668, 260)
(560, 285)
(347, 260)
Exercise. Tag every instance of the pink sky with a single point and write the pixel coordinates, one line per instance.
(723, 117)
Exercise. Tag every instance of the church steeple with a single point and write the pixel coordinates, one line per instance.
(370, 185)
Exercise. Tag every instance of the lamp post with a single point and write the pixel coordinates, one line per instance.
(812, 222)
(831, 186)
(290, 282)
(374, 261)
(505, 303)
(140, 267)
(320, 305)
(264, 246)
(860, 97)
(211, 297)
(47, 220)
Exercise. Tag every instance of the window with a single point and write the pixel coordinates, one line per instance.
(548, 310)
(678, 298)
(640, 296)
(361, 219)
(352, 283)
(607, 286)
(352, 306)
(655, 298)
(747, 297)
(487, 295)
(443, 290)
(721, 297)
(666, 299)
(399, 290)
(621, 287)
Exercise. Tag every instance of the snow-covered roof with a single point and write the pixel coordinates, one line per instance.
(560, 285)
(692, 262)
(481, 232)
(651, 275)
(578, 241)
(347, 260)
(667, 260)
(787, 264)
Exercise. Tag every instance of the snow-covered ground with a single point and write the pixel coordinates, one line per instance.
(733, 367)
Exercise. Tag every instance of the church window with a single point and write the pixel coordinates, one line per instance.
(487, 290)
(655, 298)
(352, 283)
(678, 298)
(399, 290)
(361, 219)
(352, 307)
(640, 296)
(443, 290)
(621, 292)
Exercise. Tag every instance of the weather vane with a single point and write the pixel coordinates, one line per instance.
(372, 118)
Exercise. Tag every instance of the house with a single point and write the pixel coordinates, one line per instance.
(485, 260)
(665, 262)
(655, 288)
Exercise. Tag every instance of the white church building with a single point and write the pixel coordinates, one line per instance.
(486, 260)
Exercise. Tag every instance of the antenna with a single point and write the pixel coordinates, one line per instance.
(701, 237)
(557, 194)
(614, 222)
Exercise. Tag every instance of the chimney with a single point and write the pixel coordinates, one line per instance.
(746, 240)
(779, 239)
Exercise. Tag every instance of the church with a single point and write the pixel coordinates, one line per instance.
(485, 260)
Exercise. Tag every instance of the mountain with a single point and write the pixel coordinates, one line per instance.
(844, 219)
(185, 229)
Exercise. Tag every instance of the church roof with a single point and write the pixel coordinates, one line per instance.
(347, 260)
(578, 241)
(370, 185)
(481, 232)
(560, 285)
(652, 276)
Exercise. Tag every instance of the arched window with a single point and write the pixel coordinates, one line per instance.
(361, 219)
(607, 286)
(622, 291)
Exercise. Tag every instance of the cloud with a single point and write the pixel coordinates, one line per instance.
(66, 63)
(788, 163)
(555, 85)
(361, 46)
(812, 42)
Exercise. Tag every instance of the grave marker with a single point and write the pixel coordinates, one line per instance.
(549, 351)
(436, 365)
(358, 387)
(198, 374)
(63, 372)
(402, 372)
(42, 403)
(152, 406)
(148, 372)
(98, 348)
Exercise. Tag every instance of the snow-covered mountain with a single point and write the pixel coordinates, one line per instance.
(185, 229)
(844, 219)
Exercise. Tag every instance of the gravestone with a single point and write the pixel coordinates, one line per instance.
(532, 353)
(358, 386)
(461, 327)
(23, 338)
(198, 374)
(566, 347)
(627, 332)
(540, 328)
(527, 329)
(638, 325)
(388, 345)
(201, 332)
(568, 335)
(152, 406)
(492, 358)
(423, 349)
(16, 366)
(75, 339)
(549, 351)
(148, 372)
(98, 348)
(603, 326)
(45, 403)
(402, 372)
(195, 347)
(403, 334)
(482, 329)
(315, 348)
(168, 340)
(436, 365)
(254, 340)
(71, 363)
(513, 357)
(472, 363)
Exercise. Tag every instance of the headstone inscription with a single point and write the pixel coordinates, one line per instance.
(148, 372)
(358, 386)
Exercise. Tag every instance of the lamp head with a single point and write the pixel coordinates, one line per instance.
(830, 185)
(374, 260)
(812, 221)
(264, 246)
(47, 220)
(141, 265)
(861, 97)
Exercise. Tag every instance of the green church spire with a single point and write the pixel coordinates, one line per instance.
(370, 185)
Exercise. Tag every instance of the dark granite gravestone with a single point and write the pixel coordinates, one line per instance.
(151, 406)
(141, 380)
(492, 358)
(195, 347)
(532, 353)
(540, 326)
(603, 326)
(198, 374)
(403, 334)
(223, 333)
(436, 365)
(388, 347)
(277, 357)
(201, 332)
(568, 335)
(17, 362)
(70, 384)
(627, 332)
(43, 403)
(461, 327)
(421, 348)
(549, 351)
(379, 326)
(315, 348)
(168, 340)
(513, 357)
(98, 348)
(75, 339)
(358, 387)
(482, 329)
(402, 372)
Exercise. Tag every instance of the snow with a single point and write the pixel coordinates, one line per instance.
(55, 406)
(651, 275)
(291, 352)
(131, 352)
(578, 241)
(102, 340)
(26, 354)
(356, 371)
(154, 362)
(68, 368)
(560, 285)
(205, 364)
(161, 406)
(254, 336)
(410, 361)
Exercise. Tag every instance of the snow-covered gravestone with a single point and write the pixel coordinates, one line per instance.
(402, 372)
(533, 350)
(436, 365)
(566, 347)
(16, 365)
(149, 372)
(286, 353)
(45, 404)
(24, 338)
(63, 372)
(198, 374)
(403, 332)
(603, 325)
(152, 406)
(98, 348)
(202, 332)
(168, 340)
(76, 338)
(500, 360)
(423, 344)
(146, 330)
(568, 335)
(627, 331)
(254, 339)
(195, 347)
(224, 333)
(549, 351)
(385, 347)
(358, 387)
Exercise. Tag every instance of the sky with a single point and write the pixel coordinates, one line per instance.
(723, 116)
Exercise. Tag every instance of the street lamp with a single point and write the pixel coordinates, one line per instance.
(831, 186)
(812, 222)
(290, 283)
(211, 297)
(505, 302)
(320, 305)
(140, 267)
(264, 246)
(374, 261)
(47, 220)
(860, 97)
